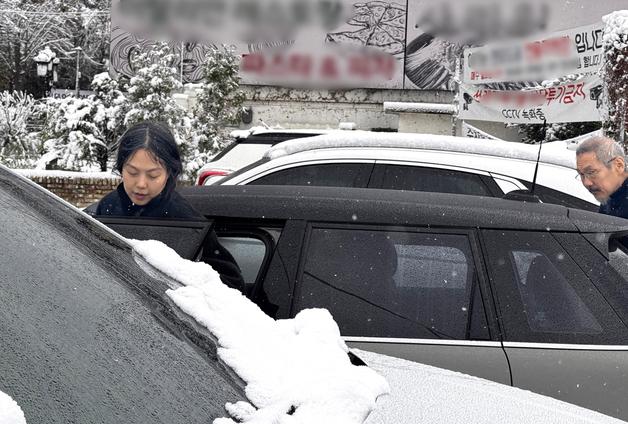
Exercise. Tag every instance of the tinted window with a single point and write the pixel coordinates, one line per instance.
(249, 254)
(400, 177)
(542, 294)
(330, 174)
(393, 284)
(548, 195)
(80, 339)
(608, 271)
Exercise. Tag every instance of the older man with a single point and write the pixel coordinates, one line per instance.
(602, 169)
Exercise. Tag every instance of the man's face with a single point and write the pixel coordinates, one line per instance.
(601, 180)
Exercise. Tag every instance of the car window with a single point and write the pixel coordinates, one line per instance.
(552, 304)
(548, 195)
(393, 283)
(416, 178)
(82, 341)
(249, 254)
(542, 294)
(608, 269)
(328, 174)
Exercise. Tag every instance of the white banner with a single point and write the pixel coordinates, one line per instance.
(574, 51)
(472, 132)
(569, 102)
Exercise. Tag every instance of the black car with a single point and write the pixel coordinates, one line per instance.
(527, 294)
(86, 336)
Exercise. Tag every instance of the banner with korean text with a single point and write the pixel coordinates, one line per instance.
(573, 51)
(576, 101)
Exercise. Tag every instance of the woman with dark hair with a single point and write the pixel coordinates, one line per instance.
(149, 162)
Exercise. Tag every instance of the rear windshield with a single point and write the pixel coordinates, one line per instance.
(81, 340)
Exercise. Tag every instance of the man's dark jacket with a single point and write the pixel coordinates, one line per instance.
(170, 204)
(617, 204)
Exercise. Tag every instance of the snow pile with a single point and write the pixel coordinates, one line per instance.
(408, 107)
(616, 28)
(10, 411)
(296, 368)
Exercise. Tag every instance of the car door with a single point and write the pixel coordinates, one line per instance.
(561, 335)
(414, 293)
(183, 236)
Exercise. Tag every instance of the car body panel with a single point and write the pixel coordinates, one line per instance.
(555, 365)
(482, 359)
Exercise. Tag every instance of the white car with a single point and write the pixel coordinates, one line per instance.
(247, 147)
(422, 162)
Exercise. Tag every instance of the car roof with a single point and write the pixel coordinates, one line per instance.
(262, 135)
(367, 139)
(391, 207)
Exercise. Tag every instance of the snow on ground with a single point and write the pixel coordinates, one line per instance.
(298, 363)
(425, 394)
(10, 411)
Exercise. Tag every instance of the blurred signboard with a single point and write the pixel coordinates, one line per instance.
(576, 101)
(573, 51)
(396, 44)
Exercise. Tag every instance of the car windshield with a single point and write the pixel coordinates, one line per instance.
(86, 336)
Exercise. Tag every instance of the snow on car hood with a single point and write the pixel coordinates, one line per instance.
(294, 369)
(425, 394)
(10, 411)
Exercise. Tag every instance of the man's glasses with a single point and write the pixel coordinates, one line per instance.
(592, 174)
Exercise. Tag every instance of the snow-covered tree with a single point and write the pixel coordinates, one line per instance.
(71, 137)
(616, 74)
(18, 147)
(110, 106)
(219, 99)
(149, 94)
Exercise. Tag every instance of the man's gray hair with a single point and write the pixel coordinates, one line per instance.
(605, 149)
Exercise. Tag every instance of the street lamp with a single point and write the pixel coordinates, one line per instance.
(47, 63)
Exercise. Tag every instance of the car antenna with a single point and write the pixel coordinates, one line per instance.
(538, 157)
(264, 124)
(528, 195)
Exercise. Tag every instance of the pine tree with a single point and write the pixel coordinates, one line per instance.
(110, 106)
(219, 99)
(149, 94)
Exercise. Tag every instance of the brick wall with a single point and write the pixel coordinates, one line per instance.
(79, 191)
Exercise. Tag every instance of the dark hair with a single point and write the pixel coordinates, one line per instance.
(158, 140)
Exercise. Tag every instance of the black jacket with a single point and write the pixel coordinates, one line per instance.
(617, 204)
(171, 204)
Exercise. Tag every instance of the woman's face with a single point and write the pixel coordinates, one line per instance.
(143, 177)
